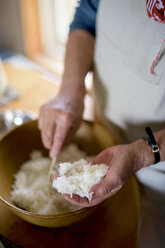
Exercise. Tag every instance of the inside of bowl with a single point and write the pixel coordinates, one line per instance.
(15, 148)
(17, 145)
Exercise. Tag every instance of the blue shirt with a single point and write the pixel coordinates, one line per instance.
(85, 16)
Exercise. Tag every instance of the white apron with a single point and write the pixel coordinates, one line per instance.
(128, 97)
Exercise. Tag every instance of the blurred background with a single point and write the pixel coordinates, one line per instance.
(37, 29)
(33, 36)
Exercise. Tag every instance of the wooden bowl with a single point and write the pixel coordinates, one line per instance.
(15, 147)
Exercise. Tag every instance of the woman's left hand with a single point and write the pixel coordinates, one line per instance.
(123, 161)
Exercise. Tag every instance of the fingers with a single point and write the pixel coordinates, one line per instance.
(59, 139)
(55, 176)
(109, 186)
(47, 126)
(77, 200)
(58, 122)
(120, 160)
(48, 132)
(54, 126)
(105, 189)
(100, 191)
(40, 120)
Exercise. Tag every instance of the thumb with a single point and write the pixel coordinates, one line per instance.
(105, 157)
(106, 188)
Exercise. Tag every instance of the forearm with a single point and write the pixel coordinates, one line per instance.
(62, 116)
(78, 61)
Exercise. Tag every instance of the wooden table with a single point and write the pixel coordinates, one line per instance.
(114, 225)
(33, 88)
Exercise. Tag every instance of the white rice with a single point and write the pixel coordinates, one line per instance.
(79, 177)
(31, 191)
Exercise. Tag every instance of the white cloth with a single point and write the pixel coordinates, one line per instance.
(128, 97)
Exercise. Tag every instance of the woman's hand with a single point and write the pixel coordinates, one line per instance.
(59, 119)
(123, 161)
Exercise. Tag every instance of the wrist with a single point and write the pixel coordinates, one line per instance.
(144, 155)
(73, 87)
(74, 77)
(71, 98)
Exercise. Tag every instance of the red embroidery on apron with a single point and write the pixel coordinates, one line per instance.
(156, 9)
(160, 52)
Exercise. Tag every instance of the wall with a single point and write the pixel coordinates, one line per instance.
(10, 26)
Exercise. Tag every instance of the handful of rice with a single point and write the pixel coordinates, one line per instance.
(79, 177)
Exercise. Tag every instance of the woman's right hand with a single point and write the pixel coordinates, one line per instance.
(59, 119)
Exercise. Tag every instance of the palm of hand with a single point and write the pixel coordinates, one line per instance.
(120, 160)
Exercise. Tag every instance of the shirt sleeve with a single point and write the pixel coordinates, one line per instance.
(85, 16)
